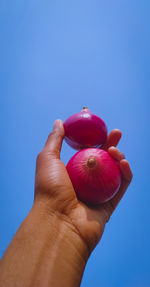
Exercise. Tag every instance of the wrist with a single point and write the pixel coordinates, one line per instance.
(67, 253)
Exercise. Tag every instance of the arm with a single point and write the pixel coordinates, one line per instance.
(53, 243)
(46, 251)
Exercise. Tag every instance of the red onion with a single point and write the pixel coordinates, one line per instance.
(95, 175)
(84, 129)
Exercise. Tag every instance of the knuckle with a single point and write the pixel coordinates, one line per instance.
(39, 156)
(131, 177)
(51, 135)
(122, 155)
(107, 214)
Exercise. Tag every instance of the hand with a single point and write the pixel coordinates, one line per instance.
(54, 190)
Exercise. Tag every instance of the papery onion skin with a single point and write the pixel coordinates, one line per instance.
(97, 183)
(84, 130)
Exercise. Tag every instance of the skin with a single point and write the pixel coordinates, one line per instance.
(54, 242)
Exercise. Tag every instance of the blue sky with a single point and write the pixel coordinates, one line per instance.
(56, 57)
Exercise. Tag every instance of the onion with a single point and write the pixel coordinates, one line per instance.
(95, 175)
(84, 130)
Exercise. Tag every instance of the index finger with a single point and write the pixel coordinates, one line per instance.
(112, 139)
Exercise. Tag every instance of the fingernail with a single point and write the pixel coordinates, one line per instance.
(57, 125)
(112, 148)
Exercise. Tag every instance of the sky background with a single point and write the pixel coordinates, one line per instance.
(55, 58)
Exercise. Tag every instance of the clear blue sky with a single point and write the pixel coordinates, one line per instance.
(56, 57)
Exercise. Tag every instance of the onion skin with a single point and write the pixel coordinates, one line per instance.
(95, 175)
(84, 130)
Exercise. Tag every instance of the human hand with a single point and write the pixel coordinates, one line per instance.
(60, 232)
(54, 190)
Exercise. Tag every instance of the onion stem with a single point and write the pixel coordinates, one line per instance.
(91, 162)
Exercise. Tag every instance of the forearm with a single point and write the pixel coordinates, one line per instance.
(45, 251)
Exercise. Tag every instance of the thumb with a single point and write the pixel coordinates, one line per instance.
(55, 138)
